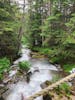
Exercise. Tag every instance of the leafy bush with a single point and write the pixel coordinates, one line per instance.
(44, 51)
(56, 59)
(4, 66)
(68, 67)
(65, 87)
(25, 65)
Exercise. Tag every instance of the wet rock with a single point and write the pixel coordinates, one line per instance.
(28, 76)
(47, 97)
(30, 72)
(28, 79)
(45, 84)
(36, 69)
(23, 97)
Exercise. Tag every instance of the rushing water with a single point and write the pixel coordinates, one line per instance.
(46, 71)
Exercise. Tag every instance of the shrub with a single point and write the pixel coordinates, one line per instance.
(65, 87)
(68, 67)
(44, 51)
(25, 65)
(4, 66)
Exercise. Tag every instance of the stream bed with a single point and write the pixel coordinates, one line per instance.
(41, 70)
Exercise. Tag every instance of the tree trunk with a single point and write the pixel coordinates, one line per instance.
(21, 27)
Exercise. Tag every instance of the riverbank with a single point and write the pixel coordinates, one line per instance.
(65, 64)
(64, 71)
(39, 55)
(40, 67)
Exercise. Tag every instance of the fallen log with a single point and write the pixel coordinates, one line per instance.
(54, 85)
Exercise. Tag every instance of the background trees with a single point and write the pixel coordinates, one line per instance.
(46, 25)
(51, 24)
(9, 26)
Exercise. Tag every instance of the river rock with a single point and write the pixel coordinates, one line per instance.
(47, 95)
(45, 84)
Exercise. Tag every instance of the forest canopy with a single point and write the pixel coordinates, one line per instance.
(46, 26)
(52, 28)
(37, 39)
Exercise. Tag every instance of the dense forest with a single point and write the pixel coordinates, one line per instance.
(46, 27)
(50, 30)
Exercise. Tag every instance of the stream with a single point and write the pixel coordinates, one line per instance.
(41, 70)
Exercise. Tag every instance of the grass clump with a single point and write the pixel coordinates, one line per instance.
(63, 90)
(43, 50)
(68, 67)
(25, 65)
(65, 87)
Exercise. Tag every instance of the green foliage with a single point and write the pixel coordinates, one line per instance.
(9, 44)
(68, 67)
(4, 15)
(55, 79)
(52, 29)
(25, 41)
(55, 59)
(25, 65)
(65, 87)
(4, 66)
(9, 26)
(49, 29)
(42, 50)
